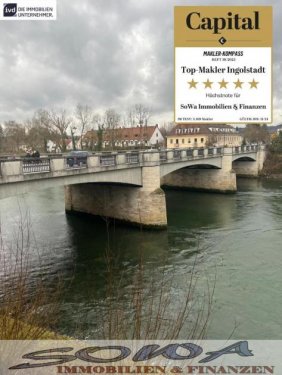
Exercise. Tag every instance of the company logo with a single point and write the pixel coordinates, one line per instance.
(10, 10)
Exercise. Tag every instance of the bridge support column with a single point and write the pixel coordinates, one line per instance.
(143, 206)
(205, 179)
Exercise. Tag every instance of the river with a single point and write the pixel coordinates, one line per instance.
(233, 238)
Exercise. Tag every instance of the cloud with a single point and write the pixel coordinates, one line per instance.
(104, 53)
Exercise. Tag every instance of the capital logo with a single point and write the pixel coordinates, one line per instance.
(10, 10)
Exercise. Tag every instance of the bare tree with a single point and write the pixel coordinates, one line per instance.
(59, 122)
(97, 121)
(14, 134)
(84, 117)
(256, 133)
(38, 131)
(138, 114)
(2, 138)
(111, 121)
(131, 117)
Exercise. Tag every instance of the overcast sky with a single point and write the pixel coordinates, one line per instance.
(104, 53)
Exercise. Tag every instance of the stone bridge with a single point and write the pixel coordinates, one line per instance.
(126, 186)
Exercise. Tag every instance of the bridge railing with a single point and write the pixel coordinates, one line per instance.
(132, 158)
(189, 153)
(108, 160)
(57, 165)
(176, 154)
(35, 165)
(200, 152)
(245, 148)
(163, 156)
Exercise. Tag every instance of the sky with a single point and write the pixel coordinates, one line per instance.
(105, 54)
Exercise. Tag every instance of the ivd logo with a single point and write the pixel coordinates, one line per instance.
(10, 10)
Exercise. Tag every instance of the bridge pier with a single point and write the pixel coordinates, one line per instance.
(142, 206)
(203, 178)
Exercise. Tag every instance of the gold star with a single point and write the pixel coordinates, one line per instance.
(223, 84)
(238, 84)
(192, 84)
(208, 84)
(253, 84)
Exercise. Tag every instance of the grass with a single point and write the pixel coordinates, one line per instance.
(28, 309)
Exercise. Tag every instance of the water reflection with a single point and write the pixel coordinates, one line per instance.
(238, 237)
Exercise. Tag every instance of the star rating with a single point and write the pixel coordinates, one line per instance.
(253, 84)
(223, 84)
(208, 84)
(238, 84)
(192, 84)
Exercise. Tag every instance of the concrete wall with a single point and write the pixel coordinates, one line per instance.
(144, 206)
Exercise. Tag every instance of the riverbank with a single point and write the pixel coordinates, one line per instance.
(272, 168)
(13, 329)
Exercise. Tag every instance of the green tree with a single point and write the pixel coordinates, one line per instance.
(276, 144)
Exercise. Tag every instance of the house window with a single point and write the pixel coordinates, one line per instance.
(183, 140)
(189, 140)
(195, 140)
(202, 140)
(176, 141)
(171, 141)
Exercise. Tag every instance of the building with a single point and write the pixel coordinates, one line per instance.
(202, 135)
(122, 137)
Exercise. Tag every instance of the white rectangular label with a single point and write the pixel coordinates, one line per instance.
(28, 10)
(230, 85)
(140, 357)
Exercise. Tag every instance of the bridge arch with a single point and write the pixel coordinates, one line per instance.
(244, 158)
(245, 166)
(211, 163)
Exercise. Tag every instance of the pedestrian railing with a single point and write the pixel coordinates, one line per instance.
(210, 151)
(189, 152)
(132, 158)
(107, 160)
(176, 154)
(163, 156)
(36, 165)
